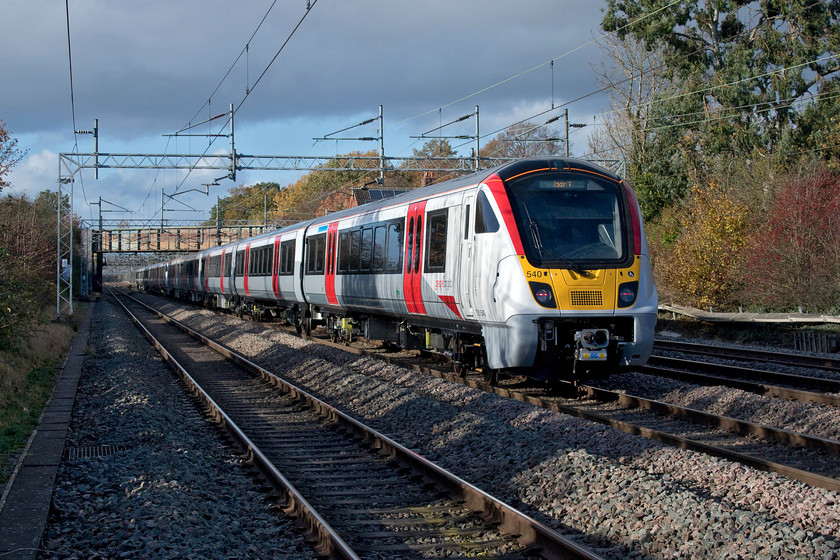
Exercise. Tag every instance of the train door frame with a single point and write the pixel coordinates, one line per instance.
(330, 257)
(465, 270)
(300, 251)
(275, 267)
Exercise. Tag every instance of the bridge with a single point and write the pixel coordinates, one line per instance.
(149, 244)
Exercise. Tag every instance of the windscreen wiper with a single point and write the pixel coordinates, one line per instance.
(573, 265)
(535, 232)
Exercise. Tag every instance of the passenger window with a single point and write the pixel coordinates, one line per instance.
(379, 248)
(287, 258)
(367, 249)
(240, 263)
(344, 252)
(436, 241)
(355, 243)
(315, 253)
(394, 249)
(485, 218)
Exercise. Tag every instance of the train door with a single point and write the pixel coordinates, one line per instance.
(330, 264)
(224, 270)
(300, 250)
(412, 276)
(275, 268)
(245, 268)
(466, 272)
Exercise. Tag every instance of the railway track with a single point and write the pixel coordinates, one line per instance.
(802, 388)
(799, 456)
(751, 355)
(811, 459)
(803, 457)
(359, 493)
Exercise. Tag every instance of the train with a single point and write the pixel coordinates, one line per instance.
(538, 267)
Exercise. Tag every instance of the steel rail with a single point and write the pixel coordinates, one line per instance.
(766, 432)
(724, 422)
(530, 532)
(821, 362)
(763, 389)
(828, 385)
(330, 542)
(730, 424)
(683, 442)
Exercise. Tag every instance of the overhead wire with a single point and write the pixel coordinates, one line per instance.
(309, 7)
(537, 67)
(245, 50)
(73, 103)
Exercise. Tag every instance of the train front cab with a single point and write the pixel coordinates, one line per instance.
(576, 294)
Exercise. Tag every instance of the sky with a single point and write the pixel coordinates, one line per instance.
(148, 69)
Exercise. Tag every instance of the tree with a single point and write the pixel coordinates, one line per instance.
(638, 128)
(794, 257)
(246, 203)
(697, 246)
(525, 139)
(322, 191)
(10, 155)
(429, 158)
(27, 261)
(754, 63)
(817, 134)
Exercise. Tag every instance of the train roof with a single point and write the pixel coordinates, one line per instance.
(504, 171)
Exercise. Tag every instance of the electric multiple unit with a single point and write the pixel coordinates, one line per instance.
(538, 267)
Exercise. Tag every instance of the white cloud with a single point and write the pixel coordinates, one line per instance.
(145, 69)
(35, 173)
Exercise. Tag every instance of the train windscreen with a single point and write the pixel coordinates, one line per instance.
(570, 220)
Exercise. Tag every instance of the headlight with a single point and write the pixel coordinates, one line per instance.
(627, 293)
(543, 294)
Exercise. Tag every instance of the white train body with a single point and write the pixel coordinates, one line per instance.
(539, 266)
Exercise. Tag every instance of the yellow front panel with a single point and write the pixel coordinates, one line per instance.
(593, 291)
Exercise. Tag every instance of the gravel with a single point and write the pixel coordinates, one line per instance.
(623, 495)
(806, 418)
(626, 496)
(169, 487)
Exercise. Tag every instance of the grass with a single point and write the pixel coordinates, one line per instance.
(27, 377)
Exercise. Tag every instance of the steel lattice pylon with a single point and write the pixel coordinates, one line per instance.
(69, 164)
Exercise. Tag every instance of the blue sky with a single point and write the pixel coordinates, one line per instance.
(146, 69)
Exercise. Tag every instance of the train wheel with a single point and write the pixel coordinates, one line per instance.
(460, 369)
(491, 376)
(307, 324)
(298, 323)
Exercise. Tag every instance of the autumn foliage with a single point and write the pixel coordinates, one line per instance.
(27, 262)
(794, 256)
(697, 246)
(722, 248)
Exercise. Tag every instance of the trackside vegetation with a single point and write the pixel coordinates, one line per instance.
(32, 346)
